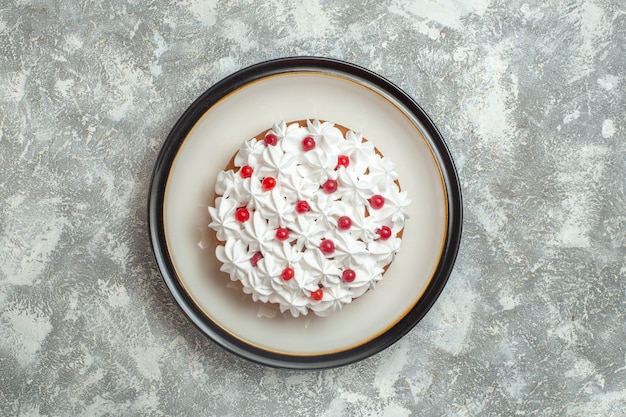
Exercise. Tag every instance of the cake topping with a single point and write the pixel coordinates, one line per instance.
(377, 201)
(268, 183)
(327, 246)
(311, 220)
(271, 139)
(330, 186)
(348, 275)
(256, 258)
(343, 161)
(287, 274)
(242, 214)
(344, 222)
(282, 233)
(302, 206)
(384, 232)
(246, 171)
(317, 294)
(308, 143)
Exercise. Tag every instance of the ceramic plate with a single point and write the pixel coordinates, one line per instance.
(238, 108)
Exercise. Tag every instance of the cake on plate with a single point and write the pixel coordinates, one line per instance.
(308, 215)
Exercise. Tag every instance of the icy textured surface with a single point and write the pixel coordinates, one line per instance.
(530, 97)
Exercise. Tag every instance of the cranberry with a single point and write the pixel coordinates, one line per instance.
(327, 246)
(317, 294)
(246, 171)
(330, 186)
(282, 233)
(348, 275)
(302, 206)
(287, 274)
(384, 232)
(344, 222)
(308, 143)
(343, 161)
(242, 214)
(270, 139)
(268, 183)
(377, 201)
(256, 258)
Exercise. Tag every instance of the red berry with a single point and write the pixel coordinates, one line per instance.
(384, 232)
(308, 143)
(282, 233)
(256, 258)
(246, 171)
(287, 274)
(377, 201)
(302, 206)
(242, 214)
(327, 246)
(270, 139)
(344, 222)
(317, 294)
(348, 275)
(343, 161)
(268, 183)
(330, 186)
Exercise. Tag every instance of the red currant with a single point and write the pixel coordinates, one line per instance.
(348, 275)
(384, 232)
(327, 246)
(302, 207)
(256, 258)
(270, 139)
(344, 222)
(377, 201)
(287, 274)
(268, 183)
(317, 294)
(308, 143)
(246, 171)
(330, 186)
(242, 214)
(343, 161)
(282, 233)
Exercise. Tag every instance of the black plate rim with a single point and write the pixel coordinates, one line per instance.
(156, 195)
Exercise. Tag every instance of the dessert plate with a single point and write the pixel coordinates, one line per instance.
(237, 108)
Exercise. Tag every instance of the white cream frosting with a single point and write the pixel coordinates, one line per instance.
(300, 175)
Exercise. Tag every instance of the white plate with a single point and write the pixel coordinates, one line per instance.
(237, 109)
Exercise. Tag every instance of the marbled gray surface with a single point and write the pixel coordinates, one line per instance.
(531, 99)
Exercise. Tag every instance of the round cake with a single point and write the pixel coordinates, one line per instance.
(308, 215)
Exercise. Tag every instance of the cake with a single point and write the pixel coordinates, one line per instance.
(308, 215)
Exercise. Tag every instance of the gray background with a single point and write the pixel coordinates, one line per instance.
(530, 97)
